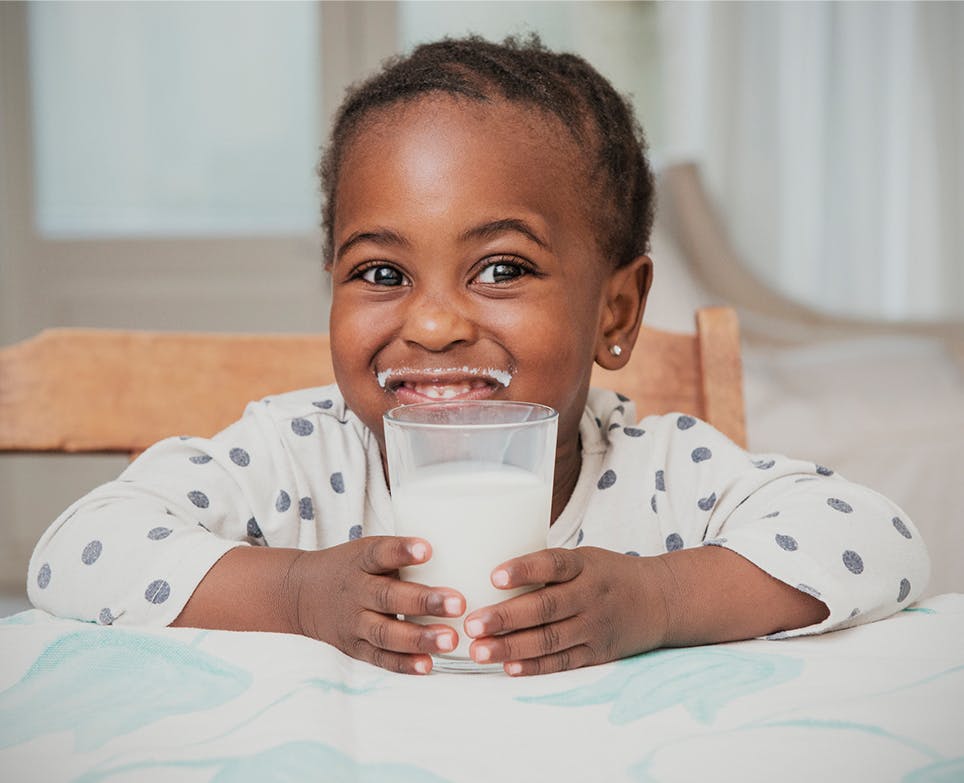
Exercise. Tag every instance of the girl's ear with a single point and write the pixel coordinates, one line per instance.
(622, 312)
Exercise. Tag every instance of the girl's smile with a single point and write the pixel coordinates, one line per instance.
(456, 383)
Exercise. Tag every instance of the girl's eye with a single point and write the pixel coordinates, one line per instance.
(382, 275)
(501, 272)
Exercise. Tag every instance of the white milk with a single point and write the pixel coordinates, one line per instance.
(475, 515)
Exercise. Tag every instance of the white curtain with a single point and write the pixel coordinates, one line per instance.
(830, 136)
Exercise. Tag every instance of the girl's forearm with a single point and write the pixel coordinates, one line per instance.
(714, 595)
(711, 594)
(248, 589)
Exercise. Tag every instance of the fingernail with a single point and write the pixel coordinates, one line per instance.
(445, 642)
(422, 667)
(452, 605)
(513, 668)
(419, 550)
(482, 653)
(474, 628)
(500, 578)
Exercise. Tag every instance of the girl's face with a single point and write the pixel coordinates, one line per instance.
(464, 263)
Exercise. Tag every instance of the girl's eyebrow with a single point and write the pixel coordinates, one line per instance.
(385, 237)
(495, 227)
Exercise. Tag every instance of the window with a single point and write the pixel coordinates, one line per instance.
(183, 119)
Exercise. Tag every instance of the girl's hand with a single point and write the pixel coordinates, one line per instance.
(349, 596)
(596, 606)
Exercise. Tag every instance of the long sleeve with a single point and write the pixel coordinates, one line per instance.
(292, 472)
(672, 481)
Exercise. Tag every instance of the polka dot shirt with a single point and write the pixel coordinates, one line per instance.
(300, 470)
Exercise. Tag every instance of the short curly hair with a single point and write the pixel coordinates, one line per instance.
(523, 71)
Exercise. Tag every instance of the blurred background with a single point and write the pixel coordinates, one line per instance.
(157, 172)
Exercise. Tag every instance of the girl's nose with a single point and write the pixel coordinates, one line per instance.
(436, 323)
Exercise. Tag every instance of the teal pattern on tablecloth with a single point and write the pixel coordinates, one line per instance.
(134, 679)
(702, 680)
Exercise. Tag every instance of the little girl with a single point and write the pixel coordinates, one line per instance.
(487, 216)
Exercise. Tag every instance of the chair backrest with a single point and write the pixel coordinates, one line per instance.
(102, 390)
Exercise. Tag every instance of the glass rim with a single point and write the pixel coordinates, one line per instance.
(546, 414)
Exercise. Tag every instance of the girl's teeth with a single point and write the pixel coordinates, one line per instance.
(442, 392)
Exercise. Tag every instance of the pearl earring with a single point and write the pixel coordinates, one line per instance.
(616, 350)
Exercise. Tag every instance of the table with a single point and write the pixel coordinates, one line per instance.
(82, 703)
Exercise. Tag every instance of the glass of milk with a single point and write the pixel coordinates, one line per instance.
(473, 478)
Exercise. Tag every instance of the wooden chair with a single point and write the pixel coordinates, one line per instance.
(101, 390)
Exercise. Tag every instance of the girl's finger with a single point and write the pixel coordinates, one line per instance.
(539, 568)
(536, 642)
(388, 595)
(540, 607)
(392, 661)
(387, 633)
(573, 658)
(385, 554)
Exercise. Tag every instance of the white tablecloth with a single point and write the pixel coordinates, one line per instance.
(883, 702)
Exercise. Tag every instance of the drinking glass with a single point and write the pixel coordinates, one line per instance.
(473, 478)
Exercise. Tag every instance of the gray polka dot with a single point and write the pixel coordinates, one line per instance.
(323, 404)
(634, 432)
(652, 504)
(840, 505)
(598, 422)
(701, 454)
(302, 427)
(674, 541)
(685, 422)
(614, 426)
(240, 457)
(900, 527)
(808, 590)
(306, 509)
(708, 502)
(619, 409)
(283, 503)
(771, 515)
(337, 482)
(91, 552)
(853, 561)
(159, 533)
(714, 542)
(789, 543)
(764, 464)
(354, 532)
(633, 553)
(622, 397)
(904, 590)
(607, 479)
(253, 529)
(43, 576)
(105, 617)
(158, 591)
(580, 537)
(824, 471)
(660, 481)
(200, 459)
(198, 498)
